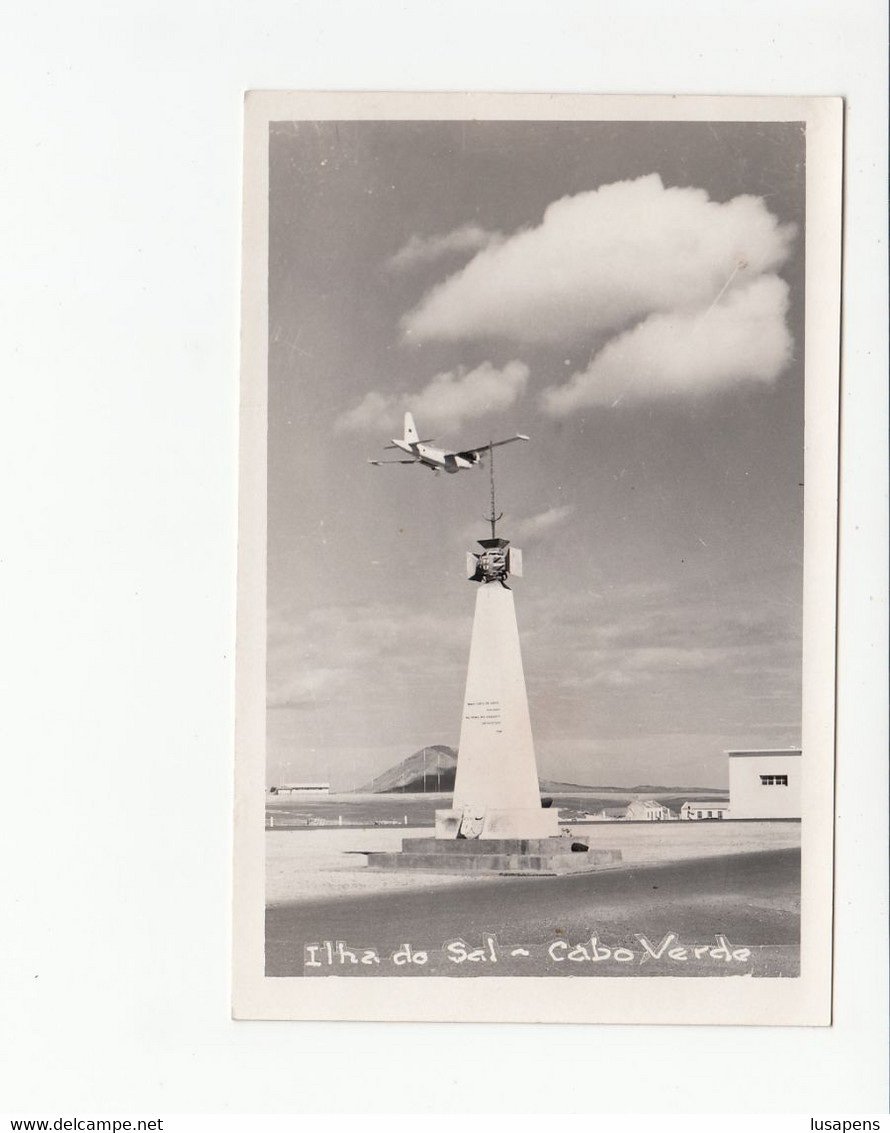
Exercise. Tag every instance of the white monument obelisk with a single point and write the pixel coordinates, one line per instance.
(496, 791)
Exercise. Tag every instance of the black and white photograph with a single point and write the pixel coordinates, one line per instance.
(537, 558)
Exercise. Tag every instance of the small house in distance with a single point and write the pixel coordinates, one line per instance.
(607, 814)
(704, 810)
(765, 783)
(647, 810)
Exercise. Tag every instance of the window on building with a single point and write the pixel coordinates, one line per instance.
(719, 813)
(710, 814)
(698, 813)
(774, 780)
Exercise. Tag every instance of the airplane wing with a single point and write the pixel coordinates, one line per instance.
(392, 462)
(468, 453)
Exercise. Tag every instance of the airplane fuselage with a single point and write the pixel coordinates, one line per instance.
(419, 450)
(437, 459)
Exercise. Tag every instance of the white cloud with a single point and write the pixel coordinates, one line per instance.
(374, 411)
(447, 400)
(743, 338)
(603, 260)
(528, 530)
(427, 249)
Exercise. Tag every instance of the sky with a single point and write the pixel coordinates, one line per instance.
(630, 295)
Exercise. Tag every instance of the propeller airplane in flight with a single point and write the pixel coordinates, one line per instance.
(439, 460)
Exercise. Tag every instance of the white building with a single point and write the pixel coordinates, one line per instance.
(647, 811)
(765, 783)
(703, 810)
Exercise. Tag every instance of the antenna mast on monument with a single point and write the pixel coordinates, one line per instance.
(492, 519)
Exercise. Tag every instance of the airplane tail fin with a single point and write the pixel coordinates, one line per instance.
(411, 436)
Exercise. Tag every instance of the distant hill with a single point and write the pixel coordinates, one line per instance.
(661, 790)
(426, 771)
(558, 788)
(555, 787)
(432, 769)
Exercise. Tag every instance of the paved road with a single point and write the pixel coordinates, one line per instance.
(750, 899)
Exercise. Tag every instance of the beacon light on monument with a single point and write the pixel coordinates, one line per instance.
(495, 562)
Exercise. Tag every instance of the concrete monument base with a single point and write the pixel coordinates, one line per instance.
(513, 856)
(533, 822)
